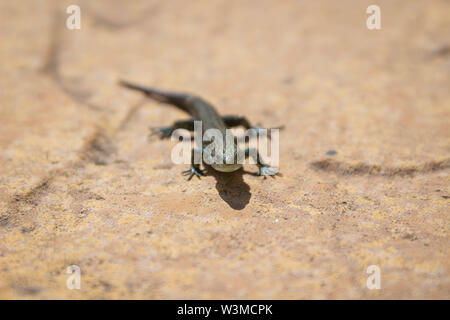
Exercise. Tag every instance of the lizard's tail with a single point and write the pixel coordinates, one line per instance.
(177, 99)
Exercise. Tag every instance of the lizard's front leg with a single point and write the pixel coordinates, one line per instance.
(264, 169)
(195, 168)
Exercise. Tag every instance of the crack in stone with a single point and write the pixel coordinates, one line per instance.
(361, 168)
(52, 66)
(98, 149)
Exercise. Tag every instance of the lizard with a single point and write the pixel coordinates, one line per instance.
(201, 110)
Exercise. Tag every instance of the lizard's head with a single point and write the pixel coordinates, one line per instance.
(229, 162)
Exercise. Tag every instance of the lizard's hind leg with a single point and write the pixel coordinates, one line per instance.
(166, 132)
(236, 121)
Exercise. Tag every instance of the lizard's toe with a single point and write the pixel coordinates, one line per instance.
(268, 171)
(193, 171)
(161, 132)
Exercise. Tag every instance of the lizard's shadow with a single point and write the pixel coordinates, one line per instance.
(232, 188)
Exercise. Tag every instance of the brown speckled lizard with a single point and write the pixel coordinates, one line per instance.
(200, 110)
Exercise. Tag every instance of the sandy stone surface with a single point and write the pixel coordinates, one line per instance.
(81, 184)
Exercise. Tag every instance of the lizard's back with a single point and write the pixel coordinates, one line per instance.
(198, 108)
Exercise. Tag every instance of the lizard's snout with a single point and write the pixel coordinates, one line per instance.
(226, 167)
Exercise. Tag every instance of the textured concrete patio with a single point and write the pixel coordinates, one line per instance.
(81, 184)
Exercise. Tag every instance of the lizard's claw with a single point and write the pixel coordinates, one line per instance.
(268, 171)
(193, 171)
(161, 132)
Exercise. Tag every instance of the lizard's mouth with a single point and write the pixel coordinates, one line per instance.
(227, 167)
